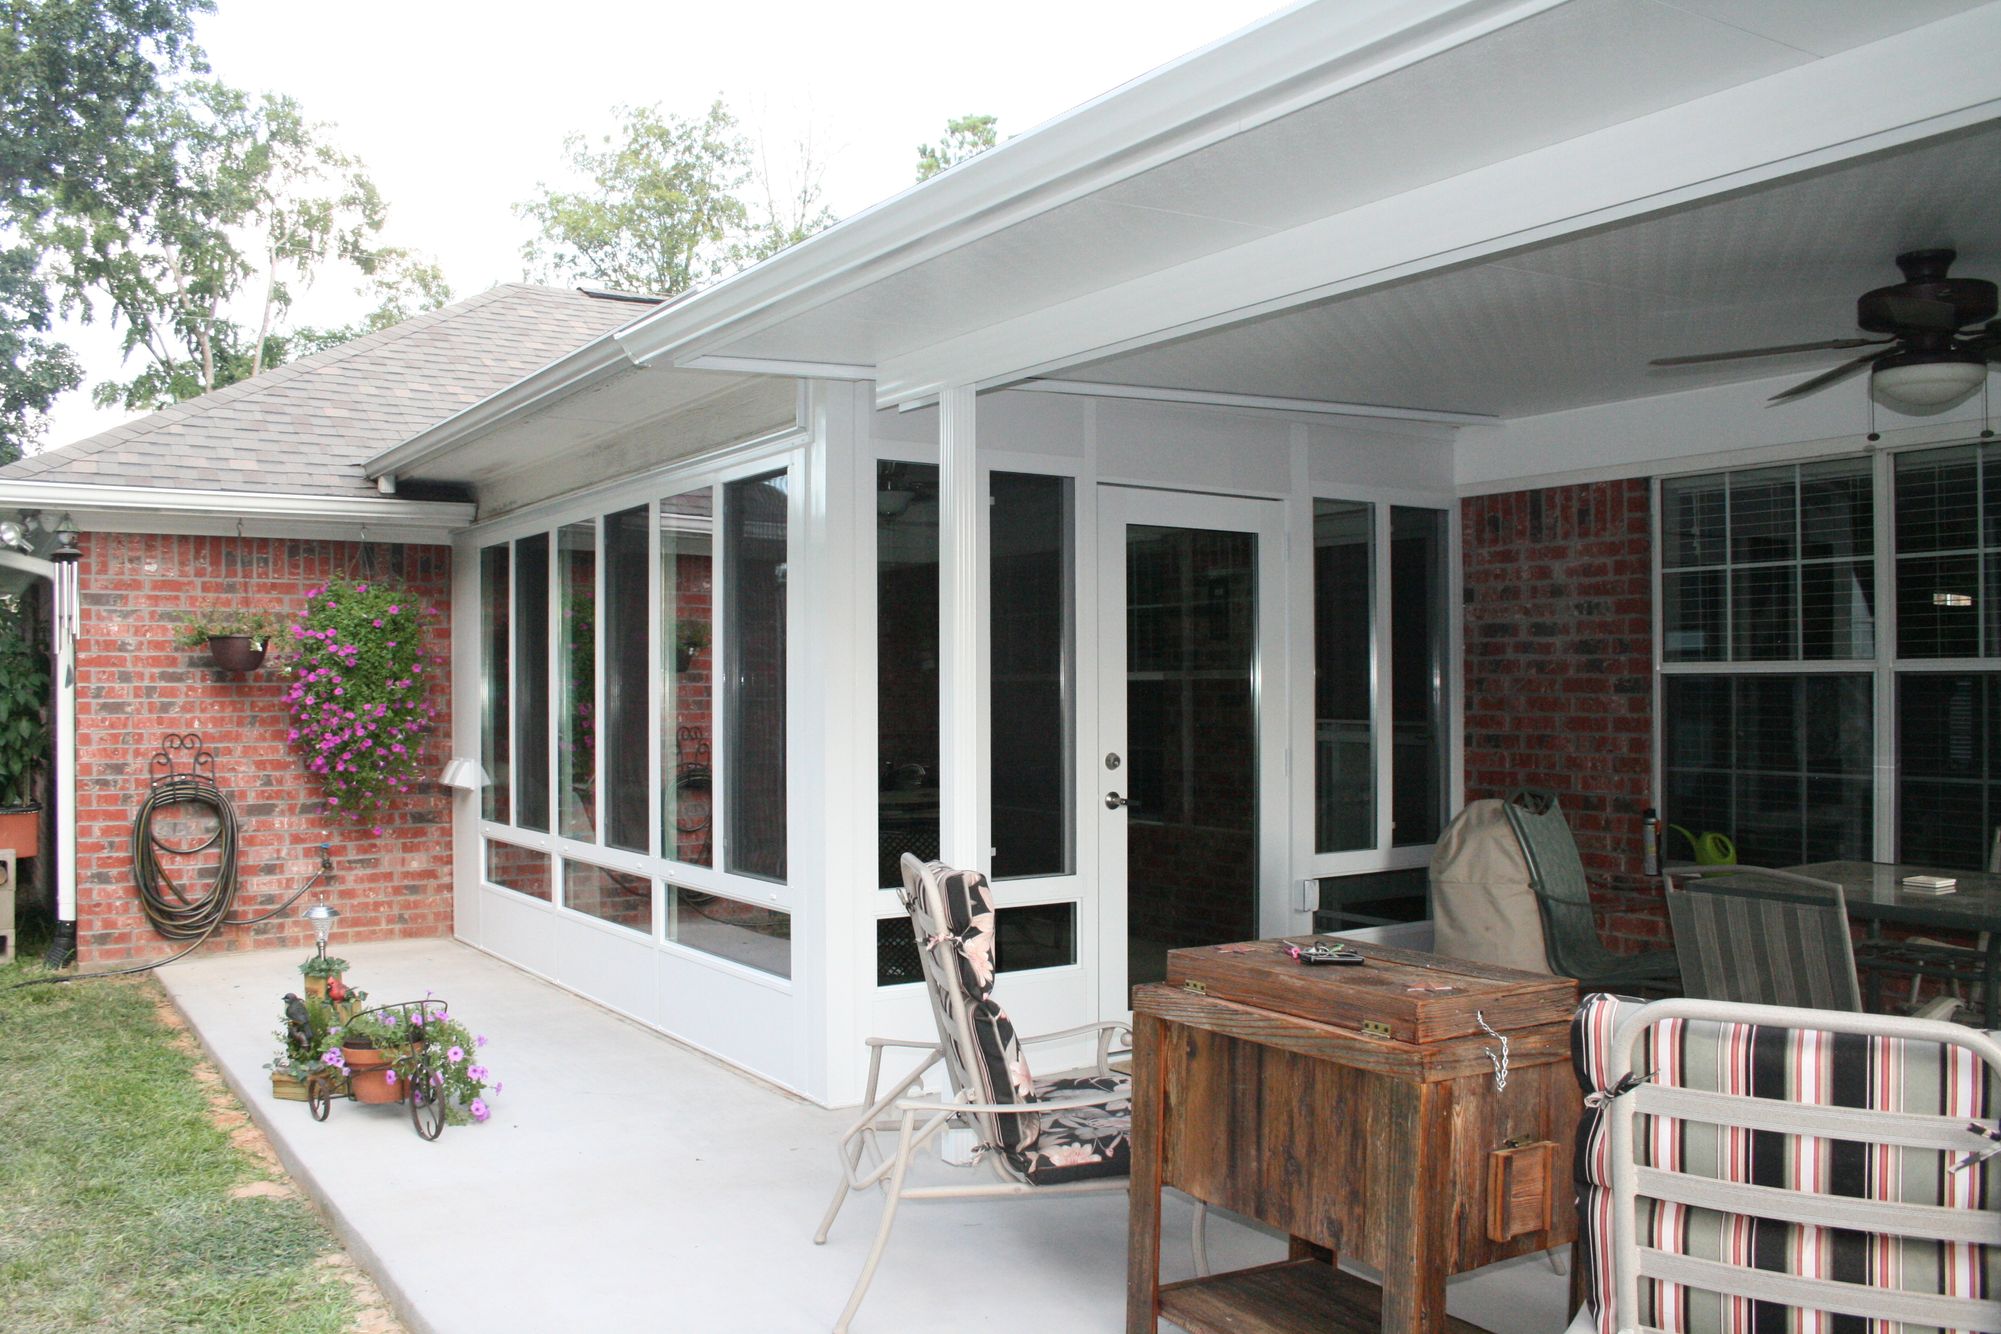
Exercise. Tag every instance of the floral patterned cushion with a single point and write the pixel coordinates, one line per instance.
(1796, 1066)
(963, 904)
(1083, 1144)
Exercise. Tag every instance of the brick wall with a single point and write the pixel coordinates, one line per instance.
(135, 685)
(1559, 695)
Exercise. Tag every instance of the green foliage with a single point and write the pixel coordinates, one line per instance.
(24, 689)
(323, 966)
(73, 76)
(116, 1207)
(436, 1056)
(33, 369)
(664, 211)
(360, 707)
(403, 285)
(218, 622)
(255, 203)
(965, 136)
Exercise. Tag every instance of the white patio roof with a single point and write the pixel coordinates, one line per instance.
(1489, 208)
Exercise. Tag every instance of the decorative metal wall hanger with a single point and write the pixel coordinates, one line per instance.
(182, 759)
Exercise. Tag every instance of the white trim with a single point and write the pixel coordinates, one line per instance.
(803, 370)
(275, 514)
(961, 617)
(596, 360)
(1276, 66)
(1791, 122)
(1212, 398)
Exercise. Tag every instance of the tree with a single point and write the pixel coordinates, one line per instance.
(664, 211)
(257, 202)
(403, 284)
(74, 75)
(33, 369)
(965, 136)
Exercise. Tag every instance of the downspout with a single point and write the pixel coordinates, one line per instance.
(61, 572)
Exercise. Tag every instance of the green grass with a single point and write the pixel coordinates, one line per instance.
(115, 1205)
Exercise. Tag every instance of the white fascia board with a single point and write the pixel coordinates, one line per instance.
(1264, 402)
(1274, 67)
(176, 509)
(595, 361)
(1793, 121)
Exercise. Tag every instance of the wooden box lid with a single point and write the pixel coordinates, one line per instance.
(1401, 994)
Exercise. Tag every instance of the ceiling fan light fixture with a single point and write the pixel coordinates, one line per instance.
(1927, 381)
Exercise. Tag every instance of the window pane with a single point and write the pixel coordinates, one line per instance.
(906, 673)
(495, 801)
(626, 692)
(744, 933)
(755, 524)
(1837, 610)
(1763, 612)
(1763, 522)
(687, 655)
(523, 870)
(617, 897)
(1938, 607)
(1344, 756)
(1034, 631)
(1417, 675)
(531, 679)
(1779, 764)
(1836, 509)
(1378, 898)
(577, 662)
(1695, 610)
(1938, 500)
(1693, 528)
(1042, 935)
(1948, 746)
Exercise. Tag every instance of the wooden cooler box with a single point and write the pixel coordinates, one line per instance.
(1356, 1107)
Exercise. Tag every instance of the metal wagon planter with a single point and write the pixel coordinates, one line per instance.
(398, 1066)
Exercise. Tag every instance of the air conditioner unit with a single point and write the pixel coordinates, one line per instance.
(6, 906)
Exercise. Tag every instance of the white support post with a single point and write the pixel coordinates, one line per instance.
(65, 610)
(960, 757)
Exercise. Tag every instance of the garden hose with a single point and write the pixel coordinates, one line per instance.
(171, 910)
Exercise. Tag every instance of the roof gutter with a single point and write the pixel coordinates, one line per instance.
(595, 361)
(1276, 66)
(434, 518)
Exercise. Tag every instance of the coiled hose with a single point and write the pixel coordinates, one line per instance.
(172, 911)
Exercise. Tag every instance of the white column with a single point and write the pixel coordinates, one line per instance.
(959, 665)
(63, 614)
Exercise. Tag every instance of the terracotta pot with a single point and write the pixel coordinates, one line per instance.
(368, 1073)
(236, 653)
(21, 830)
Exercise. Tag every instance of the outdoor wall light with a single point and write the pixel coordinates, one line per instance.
(322, 915)
(465, 775)
(67, 534)
(12, 534)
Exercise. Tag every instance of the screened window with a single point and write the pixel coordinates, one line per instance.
(906, 672)
(1033, 660)
(687, 627)
(754, 536)
(531, 681)
(627, 682)
(1344, 640)
(576, 667)
(1949, 770)
(495, 679)
(1417, 675)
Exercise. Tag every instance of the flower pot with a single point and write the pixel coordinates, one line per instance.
(368, 1073)
(236, 653)
(21, 829)
(287, 1087)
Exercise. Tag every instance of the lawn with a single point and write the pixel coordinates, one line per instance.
(125, 1204)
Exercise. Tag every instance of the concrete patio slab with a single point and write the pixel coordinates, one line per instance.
(627, 1182)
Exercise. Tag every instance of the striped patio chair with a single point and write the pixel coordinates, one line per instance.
(1563, 896)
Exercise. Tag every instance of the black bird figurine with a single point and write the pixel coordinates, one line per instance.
(298, 1025)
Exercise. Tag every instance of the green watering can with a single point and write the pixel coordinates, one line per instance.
(1709, 849)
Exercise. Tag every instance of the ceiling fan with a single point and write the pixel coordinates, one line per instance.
(1934, 354)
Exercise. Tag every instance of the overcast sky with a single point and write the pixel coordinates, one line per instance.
(459, 108)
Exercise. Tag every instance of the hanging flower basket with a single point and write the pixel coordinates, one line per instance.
(236, 653)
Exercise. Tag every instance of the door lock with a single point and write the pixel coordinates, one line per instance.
(1113, 801)
(1112, 760)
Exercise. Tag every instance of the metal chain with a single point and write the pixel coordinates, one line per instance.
(1500, 1061)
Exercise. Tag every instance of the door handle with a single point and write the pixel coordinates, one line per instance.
(1113, 801)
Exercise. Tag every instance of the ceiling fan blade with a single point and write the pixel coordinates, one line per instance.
(1912, 312)
(1824, 379)
(1830, 345)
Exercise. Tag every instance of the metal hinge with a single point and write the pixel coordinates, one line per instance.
(1195, 987)
(1375, 1028)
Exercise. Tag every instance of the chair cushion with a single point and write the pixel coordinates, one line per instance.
(1085, 1144)
(966, 912)
(1794, 1066)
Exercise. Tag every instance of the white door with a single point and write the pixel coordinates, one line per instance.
(1191, 762)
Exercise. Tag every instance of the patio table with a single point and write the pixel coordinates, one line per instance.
(1876, 894)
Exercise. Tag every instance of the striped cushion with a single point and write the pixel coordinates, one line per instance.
(1795, 1066)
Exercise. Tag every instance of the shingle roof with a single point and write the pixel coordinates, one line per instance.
(307, 428)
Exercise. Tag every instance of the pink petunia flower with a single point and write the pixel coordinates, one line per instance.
(479, 1109)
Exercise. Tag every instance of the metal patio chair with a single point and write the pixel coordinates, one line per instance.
(1759, 936)
(1739, 1162)
(1066, 1134)
(1563, 895)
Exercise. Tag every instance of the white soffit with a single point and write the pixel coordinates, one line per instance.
(1576, 321)
(1545, 78)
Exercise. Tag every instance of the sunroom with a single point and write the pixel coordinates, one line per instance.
(1179, 511)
